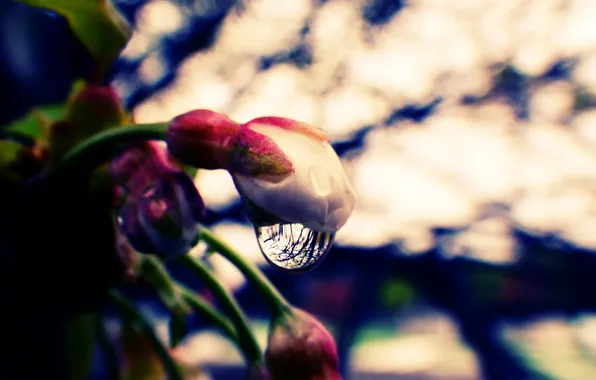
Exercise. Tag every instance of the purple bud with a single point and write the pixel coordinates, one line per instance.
(162, 206)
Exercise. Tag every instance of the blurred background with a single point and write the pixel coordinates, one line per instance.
(467, 128)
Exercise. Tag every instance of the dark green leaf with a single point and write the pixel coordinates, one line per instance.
(8, 153)
(99, 27)
(36, 123)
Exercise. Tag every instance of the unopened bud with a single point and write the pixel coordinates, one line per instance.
(162, 206)
(94, 108)
(210, 140)
(300, 347)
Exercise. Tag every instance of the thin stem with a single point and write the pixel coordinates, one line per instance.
(156, 274)
(245, 335)
(172, 293)
(277, 303)
(200, 305)
(100, 148)
(131, 312)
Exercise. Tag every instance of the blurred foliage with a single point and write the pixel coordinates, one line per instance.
(96, 23)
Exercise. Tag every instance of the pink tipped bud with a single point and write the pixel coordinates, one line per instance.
(203, 139)
(210, 140)
(300, 347)
(94, 108)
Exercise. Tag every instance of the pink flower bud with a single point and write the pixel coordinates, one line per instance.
(90, 109)
(209, 140)
(300, 347)
(203, 139)
(94, 108)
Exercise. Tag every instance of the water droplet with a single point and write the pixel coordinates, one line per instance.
(292, 246)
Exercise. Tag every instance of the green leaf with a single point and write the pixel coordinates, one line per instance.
(9, 151)
(99, 27)
(36, 123)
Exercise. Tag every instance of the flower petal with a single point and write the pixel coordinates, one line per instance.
(317, 195)
(292, 125)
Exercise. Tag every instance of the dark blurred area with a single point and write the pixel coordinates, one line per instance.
(440, 310)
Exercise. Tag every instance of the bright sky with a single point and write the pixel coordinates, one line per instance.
(410, 176)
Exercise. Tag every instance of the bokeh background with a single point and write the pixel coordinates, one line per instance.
(467, 128)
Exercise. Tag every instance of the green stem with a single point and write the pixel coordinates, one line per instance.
(155, 273)
(131, 312)
(101, 147)
(277, 303)
(200, 305)
(172, 293)
(245, 335)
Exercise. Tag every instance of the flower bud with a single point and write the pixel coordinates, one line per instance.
(91, 108)
(299, 348)
(94, 108)
(203, 139)
(317, 194)
(209, 140)
(285, 168)
(161, 207)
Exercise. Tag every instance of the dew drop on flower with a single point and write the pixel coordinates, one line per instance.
(292, 246)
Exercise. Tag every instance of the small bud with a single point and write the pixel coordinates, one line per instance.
(209, 140)
(162, 206)
(94, 108)
(91, 108)
(300, 347)
(203, 139)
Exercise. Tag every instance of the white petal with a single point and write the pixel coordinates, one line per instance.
(318, 195)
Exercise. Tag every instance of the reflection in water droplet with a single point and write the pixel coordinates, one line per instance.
(292, 246)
